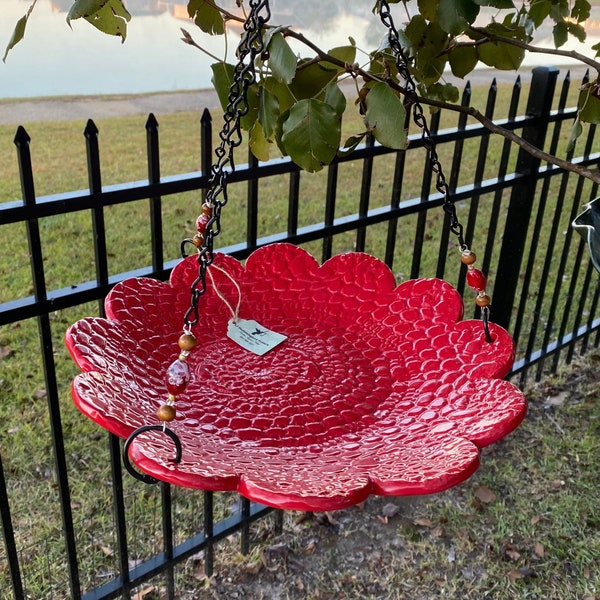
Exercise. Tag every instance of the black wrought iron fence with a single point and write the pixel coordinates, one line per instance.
(517, 213)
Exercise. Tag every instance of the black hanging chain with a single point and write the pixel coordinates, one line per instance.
(420, 120)
(475, 278)
(209, 222)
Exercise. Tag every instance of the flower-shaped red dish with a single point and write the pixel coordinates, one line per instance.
(378, 389)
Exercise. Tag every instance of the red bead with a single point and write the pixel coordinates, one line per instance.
(201, 223)
(178, 376)
(476, 279)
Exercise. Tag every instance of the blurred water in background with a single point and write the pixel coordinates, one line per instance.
(55, 60)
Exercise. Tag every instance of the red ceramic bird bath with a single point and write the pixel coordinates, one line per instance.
(377, 388)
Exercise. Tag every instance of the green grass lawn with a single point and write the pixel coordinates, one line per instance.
(495, 541)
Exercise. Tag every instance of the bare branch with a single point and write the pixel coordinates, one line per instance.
(594, 64)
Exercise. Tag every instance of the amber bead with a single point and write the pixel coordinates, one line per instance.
(187, 342)
(467, 257)
(207, 209)
(198, 240)
(483, 300)
(166, 413)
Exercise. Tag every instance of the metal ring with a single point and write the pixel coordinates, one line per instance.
(129, 467)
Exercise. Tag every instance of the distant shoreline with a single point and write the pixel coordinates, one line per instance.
(20, 111)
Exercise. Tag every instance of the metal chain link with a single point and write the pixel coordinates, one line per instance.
(251, 46)
(441, 185)
(420, 120)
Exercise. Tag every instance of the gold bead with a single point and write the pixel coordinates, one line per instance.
(467, 257)
(483, 300)
(198, 240)
(187, 342)
(207, 209)
(166, 413)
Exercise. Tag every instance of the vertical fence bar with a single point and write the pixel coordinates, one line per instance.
(293, 203)
(167, 531)
(395, 198)
(365, 194)
(551, 242)
(522, 196)
(22, 141)
(581, 247)
(98, 224)
(330, 197)
(205, 145)
(101, 260)
(9, 539)
(209, 527)
(252, 204)
(156, 227)
(484, 142)
(422, 216)
(453, 181)
(245, 537)
(502, 170)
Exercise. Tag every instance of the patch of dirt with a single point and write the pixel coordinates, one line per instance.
(519, 528)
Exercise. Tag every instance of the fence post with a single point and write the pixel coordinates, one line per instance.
(522, 197)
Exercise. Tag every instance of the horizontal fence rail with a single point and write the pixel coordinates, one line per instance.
(516, 210)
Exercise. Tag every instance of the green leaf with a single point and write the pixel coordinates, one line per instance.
(560, 32)
(281, 91)
(311, 80)
(559, 10)
(499, 54)
(346, 54)
(351, 143)
(428, 9)
(463, 60)
(385, 116)
(282, 60)
(17, 36)
(85, 8)
(311, 134)
(576, 30)
(539, 10)
(445, 92)
(589, 104)
(454, 16)
(259, 144)
(415, 31)
(576, 132)
(206, 16)
(596, 48)
(268, 112)
(335, 98)
(581, 10)
(501, 4)
(108, 16)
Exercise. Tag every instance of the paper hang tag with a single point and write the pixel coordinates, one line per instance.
(253, 336)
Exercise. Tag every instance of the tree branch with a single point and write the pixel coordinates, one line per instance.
(592, 174)
(321, 55)
(488, 37)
